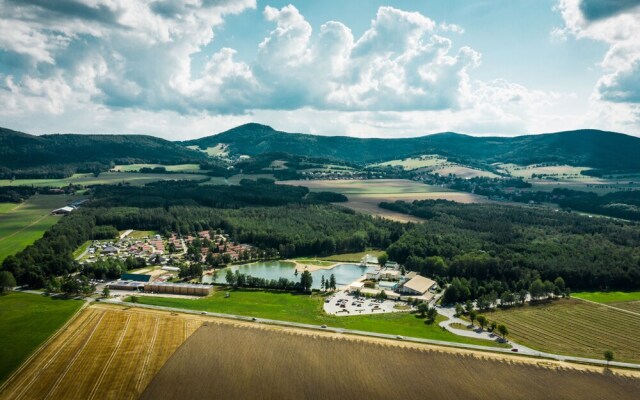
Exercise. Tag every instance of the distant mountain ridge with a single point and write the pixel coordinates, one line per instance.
(20, 150)
(587, 147)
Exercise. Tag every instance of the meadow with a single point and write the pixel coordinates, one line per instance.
(308, 310)
(220, 361)
(574, 327)
(106, 352)
(24, 223)
(437, 164)
(27, 321)
(365, 195)
(105, 178)
(352, 257)
(169, 168)
(629, 301)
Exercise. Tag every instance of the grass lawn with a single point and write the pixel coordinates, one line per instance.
(6, 207)
(308, 309)
(608, 297)
(26, 222)
(26, 321)
(352, 257)
(140, 234)
(81, 249)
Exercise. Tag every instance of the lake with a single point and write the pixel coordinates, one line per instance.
(344, 273)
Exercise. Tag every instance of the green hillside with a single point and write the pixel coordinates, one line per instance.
(592, 148)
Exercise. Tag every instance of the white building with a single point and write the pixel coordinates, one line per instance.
(417, 286)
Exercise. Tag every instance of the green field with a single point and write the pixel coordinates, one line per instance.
(314, 261)
(26, 222)
(608, 297)
(81, 249)
(169, 168)
(574, 327)
(235, 179)
(26, 321)
(105, 178)
(308, 310)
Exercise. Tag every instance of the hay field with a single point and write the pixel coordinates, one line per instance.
(24, 223)
(365, 195)
(105, 353)
(574, 327)
(223, 361)
(633, 306)
(170, 168)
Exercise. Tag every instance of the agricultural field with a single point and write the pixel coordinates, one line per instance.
(574, 327)
(308, 309)
(629, 301)
(169, 168)
(27, 321)
(437, 164)
(365, 195)
(105, 178)
(106, 352)
(220, 150)
(24, 223)
(219, 361)
(235, 179)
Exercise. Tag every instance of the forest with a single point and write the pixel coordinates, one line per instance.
(500, 248)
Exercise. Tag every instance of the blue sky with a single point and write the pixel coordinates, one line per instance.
(185, 69)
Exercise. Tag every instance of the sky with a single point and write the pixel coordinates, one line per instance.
(364, 68)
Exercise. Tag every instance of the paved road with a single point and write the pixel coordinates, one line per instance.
(382, 335)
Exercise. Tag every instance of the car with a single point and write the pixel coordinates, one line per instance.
(323, 326)
(203, 313)
(514, 350)
(254, 319)
(399, 337)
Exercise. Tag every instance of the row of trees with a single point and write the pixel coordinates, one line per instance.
(460, 290)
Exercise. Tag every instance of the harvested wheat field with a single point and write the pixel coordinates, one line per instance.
(223, 361)
(574, 327)
(105, 353)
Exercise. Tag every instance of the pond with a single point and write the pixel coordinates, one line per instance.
(344, 273)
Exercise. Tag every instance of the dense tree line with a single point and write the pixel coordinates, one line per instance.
(499, 248)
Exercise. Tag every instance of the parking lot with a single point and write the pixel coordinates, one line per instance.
(344, 304)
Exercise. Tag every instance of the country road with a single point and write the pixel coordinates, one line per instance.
(527, 352)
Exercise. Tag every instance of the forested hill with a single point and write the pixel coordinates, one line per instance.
(592, 148)
(22, 151)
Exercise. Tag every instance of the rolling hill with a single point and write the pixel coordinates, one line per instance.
(591, 148)
(21, 151)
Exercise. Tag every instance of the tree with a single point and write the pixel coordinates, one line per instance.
(482, 321)
(472, 315)
(70, 286)
(560, 285)
(536, 289)
(423, 308)
(332, 282)
(503, 331)
(230, 278)
(492, 326)
(468, 306)
(106, 292)
(432, 314)
(322, 283)
(549, 288)
(608, 355)
(459, 310)
(382, 259)
(7, 281)
(306, 280)
(134, 299)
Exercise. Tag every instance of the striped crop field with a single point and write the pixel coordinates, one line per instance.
(224, 361)
(105, 353)
(574, 327)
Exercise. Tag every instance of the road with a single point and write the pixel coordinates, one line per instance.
(529, 352)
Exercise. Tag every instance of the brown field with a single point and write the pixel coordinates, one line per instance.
(106, 353)
(224, 361)
(574, 327)
(628, 305)
(365, 195)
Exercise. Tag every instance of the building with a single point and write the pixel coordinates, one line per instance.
(110, 250)
(126, 285)
(63, 210)
(417, 286)
(178, 288)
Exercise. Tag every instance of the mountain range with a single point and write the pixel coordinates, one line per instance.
(602, 150)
